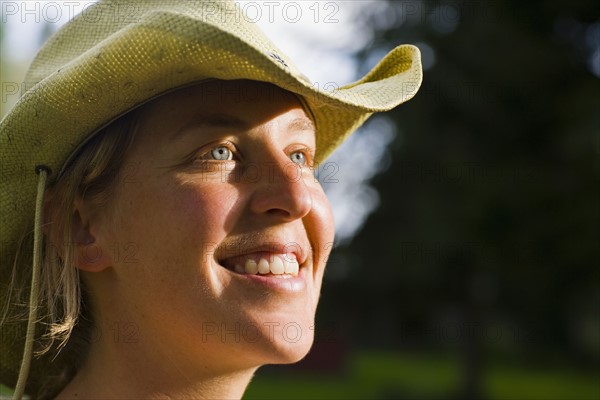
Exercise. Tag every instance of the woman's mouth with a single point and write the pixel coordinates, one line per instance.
(264, 263)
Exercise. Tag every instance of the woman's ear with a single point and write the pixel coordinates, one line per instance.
(90, 254)
(85, 244)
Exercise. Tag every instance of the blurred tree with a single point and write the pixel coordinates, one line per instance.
(486, 239)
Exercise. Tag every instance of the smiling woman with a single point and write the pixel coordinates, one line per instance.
(190, 225)
(179, 234)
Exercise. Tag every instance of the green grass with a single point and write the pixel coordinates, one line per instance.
(5, 392)
(370, 375)
(503, 383)
(377, 375)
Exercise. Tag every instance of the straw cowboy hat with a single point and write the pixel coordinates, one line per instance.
(118, 55)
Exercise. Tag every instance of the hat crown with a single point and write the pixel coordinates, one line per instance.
(107, 17)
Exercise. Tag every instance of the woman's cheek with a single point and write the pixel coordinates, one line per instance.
(205, 208)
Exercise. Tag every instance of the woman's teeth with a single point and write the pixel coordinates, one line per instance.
(279, 265)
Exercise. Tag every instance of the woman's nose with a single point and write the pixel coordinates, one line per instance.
(281, 190)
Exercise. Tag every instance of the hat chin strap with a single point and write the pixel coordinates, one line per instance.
(42, 172)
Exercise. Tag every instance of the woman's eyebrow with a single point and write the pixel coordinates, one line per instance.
(226, 121)
(211, 121)
(301, 124)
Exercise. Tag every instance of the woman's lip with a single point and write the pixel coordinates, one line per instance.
(289, 284)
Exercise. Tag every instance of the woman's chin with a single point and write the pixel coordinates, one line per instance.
(284, 349)
(290, 353)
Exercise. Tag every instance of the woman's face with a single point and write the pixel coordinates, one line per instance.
(218, 185)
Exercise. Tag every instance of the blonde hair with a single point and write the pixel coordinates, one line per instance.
(90, 177)
(65, 312)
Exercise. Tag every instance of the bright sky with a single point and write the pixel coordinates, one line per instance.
(318, 35)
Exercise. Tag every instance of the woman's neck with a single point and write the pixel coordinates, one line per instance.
(121, 369)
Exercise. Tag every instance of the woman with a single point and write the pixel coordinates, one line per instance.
(178, 237)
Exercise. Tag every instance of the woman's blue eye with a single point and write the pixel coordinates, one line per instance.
(222, 153)
(298, 158)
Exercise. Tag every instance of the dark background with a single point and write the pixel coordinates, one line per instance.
(478, 274)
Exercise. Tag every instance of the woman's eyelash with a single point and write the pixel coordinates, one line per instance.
(308, 153)
(225, 151)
